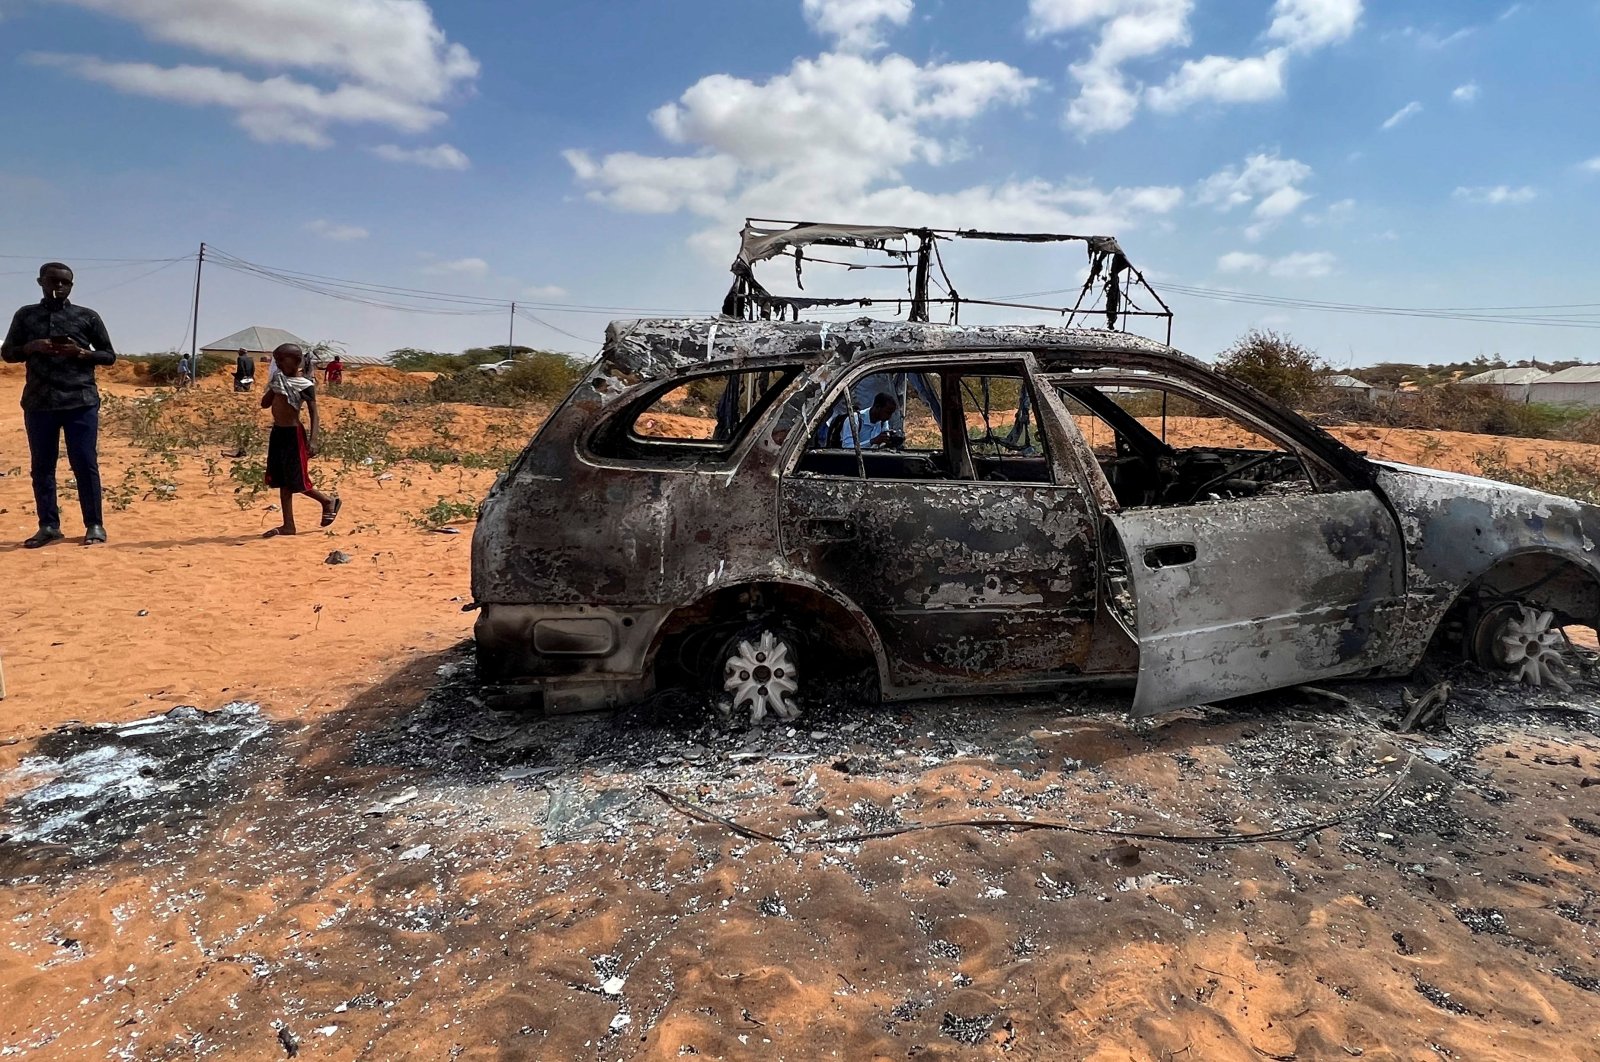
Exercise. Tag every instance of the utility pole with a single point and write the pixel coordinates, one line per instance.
(511, 334)
(194, 325)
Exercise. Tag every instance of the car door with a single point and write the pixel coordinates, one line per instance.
(1230, 594)
(976, 567)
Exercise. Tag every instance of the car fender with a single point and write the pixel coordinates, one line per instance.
(724, 582)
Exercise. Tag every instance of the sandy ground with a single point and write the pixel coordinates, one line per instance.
(362, 860)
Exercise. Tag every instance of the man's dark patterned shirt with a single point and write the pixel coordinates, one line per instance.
(53, 382)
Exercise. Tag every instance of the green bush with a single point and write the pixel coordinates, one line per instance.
(163, 368)
(538, 377)
(410, 359)
(1479, 410)
(1568, 478)
(1275, 365)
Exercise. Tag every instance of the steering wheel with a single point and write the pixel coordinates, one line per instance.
(1254, 462)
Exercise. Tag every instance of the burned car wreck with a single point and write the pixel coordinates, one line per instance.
(911, 509)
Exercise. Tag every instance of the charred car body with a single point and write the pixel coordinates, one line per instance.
(1043, 506)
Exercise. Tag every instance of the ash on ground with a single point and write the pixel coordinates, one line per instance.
(90, 788)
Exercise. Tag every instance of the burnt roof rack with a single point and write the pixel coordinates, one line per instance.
(1112, 287)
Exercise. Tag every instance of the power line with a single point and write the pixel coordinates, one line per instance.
(521, 312)
(141, 276)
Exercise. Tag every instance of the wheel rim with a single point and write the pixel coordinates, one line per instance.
(761, 675)
(1523, 640)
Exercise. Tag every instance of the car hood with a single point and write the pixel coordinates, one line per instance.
(1467, 486)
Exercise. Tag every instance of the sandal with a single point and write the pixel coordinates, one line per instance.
(276, 532)
(331, 514)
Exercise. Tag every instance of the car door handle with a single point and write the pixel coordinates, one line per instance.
(829, 529)
(1170, 555)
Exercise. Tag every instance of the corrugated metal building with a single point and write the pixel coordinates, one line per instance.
(1577, 386)
(1349, 385)
(1508, 383)
(259, 342)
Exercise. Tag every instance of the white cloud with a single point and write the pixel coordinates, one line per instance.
(1402, 114)
(545, 291)
(1334, 214)
(1270, 183)
(1300, 265)
(438, 157)
(1241, 262)
(329, 230)
(391, 45)
(1497, 195)
(1303, 264)
(642, 184)
(842, 120)
(1436, 40)
(1219, 79)
(833, 137)
(1129, 29)
(1465, 93)
(389, 62)
(1592, 165)
(854, 24)
(460, 267)
(1108, 98)
(276, 110)
(1306, 25)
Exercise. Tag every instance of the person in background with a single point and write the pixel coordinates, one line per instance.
(244, 371)
(871, 429)
(333, 372)
(289, 447)
(185, 371)
(62, 344)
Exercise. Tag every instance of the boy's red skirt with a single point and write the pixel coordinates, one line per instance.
(288, 459)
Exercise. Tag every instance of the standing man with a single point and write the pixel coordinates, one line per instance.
(62, 344)
(244, 371)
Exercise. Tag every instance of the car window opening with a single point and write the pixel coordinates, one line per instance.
(1163, 447)
(693, 420)
(931, 425)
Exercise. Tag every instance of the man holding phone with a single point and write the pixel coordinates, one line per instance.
(62, 345)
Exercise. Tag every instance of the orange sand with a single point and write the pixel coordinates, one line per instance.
(294, 906)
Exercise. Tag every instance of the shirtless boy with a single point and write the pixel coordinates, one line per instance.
(290, 448)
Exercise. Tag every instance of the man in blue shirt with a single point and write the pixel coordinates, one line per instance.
(62, 344)
(871, 428)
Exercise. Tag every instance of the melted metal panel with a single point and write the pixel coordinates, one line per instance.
(1280, 591)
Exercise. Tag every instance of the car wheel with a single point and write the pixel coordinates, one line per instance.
(759, 672)
(1510, 636)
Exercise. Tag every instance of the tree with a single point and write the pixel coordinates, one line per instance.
(1275, 365)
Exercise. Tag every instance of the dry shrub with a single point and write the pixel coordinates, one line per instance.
(1453, 407)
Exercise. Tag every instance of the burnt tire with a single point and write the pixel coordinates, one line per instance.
(1509, 636)
(759, 669)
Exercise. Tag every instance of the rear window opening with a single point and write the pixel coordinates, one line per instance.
(692, 420)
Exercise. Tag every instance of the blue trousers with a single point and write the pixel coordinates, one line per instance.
(82, 428)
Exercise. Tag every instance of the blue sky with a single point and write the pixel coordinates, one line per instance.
(1417, 153)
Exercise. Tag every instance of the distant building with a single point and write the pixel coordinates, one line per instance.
(1577, 386)
(1512, 384)
(260, 342)
(1349, 385)
(257, 341)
